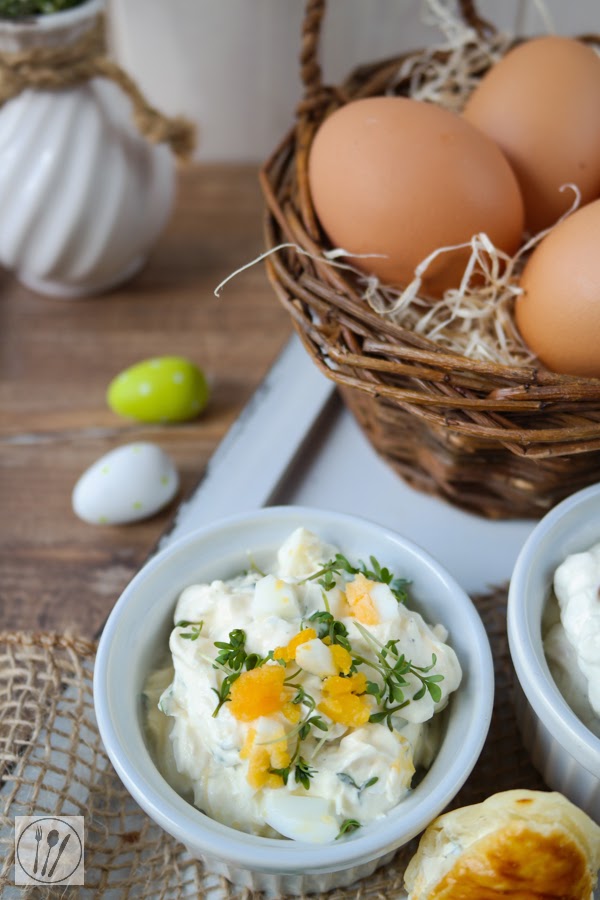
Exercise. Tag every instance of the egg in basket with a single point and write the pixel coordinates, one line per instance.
(430, 225)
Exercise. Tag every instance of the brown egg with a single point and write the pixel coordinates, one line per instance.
(401, 178)
(558, 315)
(541, 104)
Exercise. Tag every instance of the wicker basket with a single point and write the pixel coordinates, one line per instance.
(501, 441)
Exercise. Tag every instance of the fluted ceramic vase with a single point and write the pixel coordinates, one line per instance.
(83, 196)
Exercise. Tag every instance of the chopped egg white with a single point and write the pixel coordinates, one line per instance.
(291, 748)
(301, 818)
(274, 597)
(316, 658)
(302, 554)
(385, 603)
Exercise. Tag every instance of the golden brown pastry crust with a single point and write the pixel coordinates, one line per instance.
(520, 845)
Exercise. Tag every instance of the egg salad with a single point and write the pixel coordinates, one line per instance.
(300, 702)
(572, 634)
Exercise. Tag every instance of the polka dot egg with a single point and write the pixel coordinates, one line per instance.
(163, 389)
(127, 484)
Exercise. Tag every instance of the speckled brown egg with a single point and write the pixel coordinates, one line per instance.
(558, 314)
(541, 104)
(401, 178)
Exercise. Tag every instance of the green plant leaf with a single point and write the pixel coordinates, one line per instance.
(22, 9)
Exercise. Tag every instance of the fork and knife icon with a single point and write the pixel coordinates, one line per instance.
(52, 839)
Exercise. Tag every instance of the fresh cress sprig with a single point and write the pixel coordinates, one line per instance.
(348, 779)
(340, 565)
(233, 653)
(195, 628)
(326, 626)
(347, 826)
(302, 771)
(393, 667)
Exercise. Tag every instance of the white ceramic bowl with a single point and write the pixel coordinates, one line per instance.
(564, 751)
(136, 636)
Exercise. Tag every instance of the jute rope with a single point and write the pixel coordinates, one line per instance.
(63, 67)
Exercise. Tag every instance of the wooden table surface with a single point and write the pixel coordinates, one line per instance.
(57, 358)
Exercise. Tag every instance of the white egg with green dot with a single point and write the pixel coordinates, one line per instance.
(130, 483)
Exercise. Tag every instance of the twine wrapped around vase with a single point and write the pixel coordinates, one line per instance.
(53, 68)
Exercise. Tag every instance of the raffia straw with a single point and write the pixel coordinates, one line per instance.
(328, 256)
(476, 319)
(449, 77)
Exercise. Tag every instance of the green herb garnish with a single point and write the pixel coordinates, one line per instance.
(326, 626)
(224, 691)
(348, 825)
(348, 779)
(195, 628)
(393, 666)
(22, 9)
(340, 564)
(303, 772)
(233, 653)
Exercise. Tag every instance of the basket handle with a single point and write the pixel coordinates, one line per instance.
(310, 69)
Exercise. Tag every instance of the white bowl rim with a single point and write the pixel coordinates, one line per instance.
(185, 822)
(536, 680)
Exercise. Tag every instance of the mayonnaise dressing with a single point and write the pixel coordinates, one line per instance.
(293, 749)
(572, 640)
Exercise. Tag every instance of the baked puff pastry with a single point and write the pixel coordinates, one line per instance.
(519, 845)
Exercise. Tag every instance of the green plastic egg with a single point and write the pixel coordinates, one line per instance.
(163, 389)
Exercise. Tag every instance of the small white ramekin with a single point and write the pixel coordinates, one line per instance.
(562, 749)
(136, 637)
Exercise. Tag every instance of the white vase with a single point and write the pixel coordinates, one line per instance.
(83, 196)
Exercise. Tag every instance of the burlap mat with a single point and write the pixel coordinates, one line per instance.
(52, 762)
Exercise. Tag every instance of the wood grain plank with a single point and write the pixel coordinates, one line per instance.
(57, 358)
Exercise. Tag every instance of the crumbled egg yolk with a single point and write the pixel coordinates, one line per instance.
(262, 758)
(259, 692)
(360, 601)
(344, 700)
(353, 684)
(342, 659)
